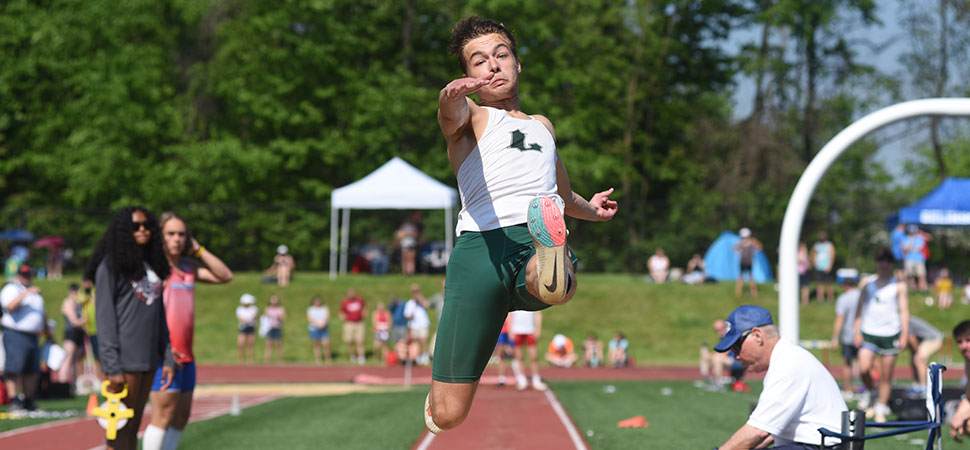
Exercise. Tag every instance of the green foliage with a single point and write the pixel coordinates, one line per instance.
(245, 116)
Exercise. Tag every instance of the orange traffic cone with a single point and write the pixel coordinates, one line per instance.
(633, 422)
(92, 403)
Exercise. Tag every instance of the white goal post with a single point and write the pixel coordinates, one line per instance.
(791, 227)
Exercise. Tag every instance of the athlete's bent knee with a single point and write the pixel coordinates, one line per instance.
(448, 418)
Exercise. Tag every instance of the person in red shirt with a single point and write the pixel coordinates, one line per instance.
(382, 329)
(352, 313)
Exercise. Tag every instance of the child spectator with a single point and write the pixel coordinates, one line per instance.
(382, 330)
(561, 352)
(318, 316)
(592, 351)
(618, 351)
(944, 289)
(246, 314)
(274, 338)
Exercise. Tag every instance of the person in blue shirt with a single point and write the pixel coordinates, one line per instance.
(914, 257)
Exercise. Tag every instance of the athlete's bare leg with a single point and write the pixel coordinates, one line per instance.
(450, 403)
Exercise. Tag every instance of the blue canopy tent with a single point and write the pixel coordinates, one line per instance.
(724, 264)
(948, 205)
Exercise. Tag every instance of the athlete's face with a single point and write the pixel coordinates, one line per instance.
(492, 54)
(173, 233)
(963, 343)
(139, 227)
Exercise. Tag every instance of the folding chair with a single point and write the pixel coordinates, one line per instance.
(853, 431)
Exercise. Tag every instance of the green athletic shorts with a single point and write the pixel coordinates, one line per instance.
(881, 345)
(485, 280)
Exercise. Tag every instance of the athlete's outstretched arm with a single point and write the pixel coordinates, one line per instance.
(454, 106)
(598, 208)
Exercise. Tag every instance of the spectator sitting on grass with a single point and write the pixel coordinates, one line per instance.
(659, 265)
(695, 273)
(715, 365)
(618, 351)
(592, 351)
(561, 352)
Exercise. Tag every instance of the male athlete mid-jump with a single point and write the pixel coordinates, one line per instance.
(511, 251)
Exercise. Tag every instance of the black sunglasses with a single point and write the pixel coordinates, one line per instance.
(135, 226)
(736, 348)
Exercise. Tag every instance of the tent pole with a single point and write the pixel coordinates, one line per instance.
(344, 241)
(334, 215)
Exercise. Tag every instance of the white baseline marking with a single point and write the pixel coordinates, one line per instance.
(428, 437)
(573, 433)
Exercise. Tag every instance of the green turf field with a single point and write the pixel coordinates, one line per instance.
(684, 417)
(679, 414)
(75, 406)
(664, 323)
(349, 422)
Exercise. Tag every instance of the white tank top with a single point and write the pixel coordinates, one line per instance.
(880, 315)
(514, 161)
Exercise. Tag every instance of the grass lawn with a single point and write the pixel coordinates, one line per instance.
(688, 417)
(76, 405)
(680, 416)
(664, 323)
(349, 422)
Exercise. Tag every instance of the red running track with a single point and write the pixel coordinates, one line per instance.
(485, 426)
(505, 419)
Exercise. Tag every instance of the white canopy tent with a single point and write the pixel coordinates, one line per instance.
(395, 185)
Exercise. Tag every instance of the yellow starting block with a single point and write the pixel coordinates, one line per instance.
(113, 414)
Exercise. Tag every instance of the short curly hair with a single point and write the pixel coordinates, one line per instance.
(118, 247)
(471, 28)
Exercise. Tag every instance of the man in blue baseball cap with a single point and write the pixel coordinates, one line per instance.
(799, 396)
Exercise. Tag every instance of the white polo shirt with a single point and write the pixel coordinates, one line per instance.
(417, 315)
(799, 397)
(29, 315)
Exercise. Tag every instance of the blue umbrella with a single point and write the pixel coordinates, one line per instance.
(17, 235)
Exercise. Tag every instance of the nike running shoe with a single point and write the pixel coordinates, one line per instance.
(428, 421)
(548, 229)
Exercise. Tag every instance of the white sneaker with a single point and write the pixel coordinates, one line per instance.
(539, 385)
(865, 400)
(428, 421)
(521, 383)
(881, 412)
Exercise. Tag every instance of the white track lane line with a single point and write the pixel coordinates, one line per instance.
(573, 433)
(428, 438)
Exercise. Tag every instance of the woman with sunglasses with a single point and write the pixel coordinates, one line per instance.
(130, 268)
(189, 262)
